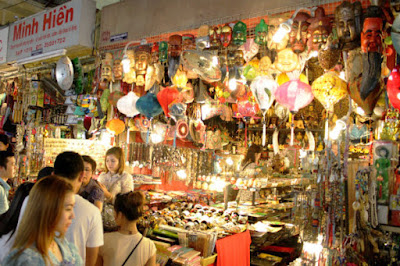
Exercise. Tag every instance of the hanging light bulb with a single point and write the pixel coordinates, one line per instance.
(232, 84)
(181, 174)
(283, 29)
(126, 64)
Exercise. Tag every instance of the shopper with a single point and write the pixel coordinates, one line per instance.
(249, 170)
(45, 171)
(90, 189)
(127, 246)
(9, 219)
(40, 236)
(7, 167)
(115, 180)
(86, 230)
(5, 144)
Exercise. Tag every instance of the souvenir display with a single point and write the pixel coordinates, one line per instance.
(276, 134)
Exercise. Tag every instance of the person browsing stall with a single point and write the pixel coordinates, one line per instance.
(127, 246)
(40, 236)
(9, 219)
(115, 180)
(86, 230)
(7, 168)
(90, 189)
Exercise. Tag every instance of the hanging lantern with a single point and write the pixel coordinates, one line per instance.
(115, 126)
(283, 77)
(127, 104)
(114, 97)
(167, 96)
(263, 89)
(148, 105)
(294, 94)
(393, 87)
(329, 89)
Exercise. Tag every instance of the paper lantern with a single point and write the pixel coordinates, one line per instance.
(148, 105)
(393, 87)
(167, 96)
(329, 89)
(283, 77)
(87, 122)
(115, 126)
(127, 104)
(114, 97)
(263, 89)
(246, 109)
(294, 94)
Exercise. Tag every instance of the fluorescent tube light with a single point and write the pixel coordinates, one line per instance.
(43, 56)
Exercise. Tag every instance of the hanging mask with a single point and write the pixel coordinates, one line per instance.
(155, 53)
(261, 33)
(298, 34)
(371, 47)
(226, 35)
(348, 24)
(142, 59)
(239, 33)
(286, 61)
(319, 30)
(106, 68)
(188, 42)
(272, 28)
(175, 45)
(163, 52)
(117, 69)
(215, 35)
(264, 65)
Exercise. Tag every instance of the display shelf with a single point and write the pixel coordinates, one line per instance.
(391, 228)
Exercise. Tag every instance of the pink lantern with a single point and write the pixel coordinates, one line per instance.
(294, 94)
(393, 87)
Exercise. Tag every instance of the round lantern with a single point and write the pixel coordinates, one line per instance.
(127, 104)
(283, 77)
(329, 89)
(115, 126)
(167, 96)
(294, 94)
(148, 105)
(263, 89)
(393, 87)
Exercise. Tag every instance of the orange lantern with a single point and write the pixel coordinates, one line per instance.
(167, 96)
(115, 126)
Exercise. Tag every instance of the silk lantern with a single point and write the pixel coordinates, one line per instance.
(167, 96)
(148, 105)
(294, 94)
(127, 104)
(393, 87)
(329, 89)
(115, 126)
(263, 89)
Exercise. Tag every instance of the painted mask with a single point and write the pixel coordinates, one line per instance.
(175, 45)
(272, 28)
(130, 77)
(264, 65)
(319, 30)
(117, 69)
(298, 34)
(261, 33)
(239, 59)
(286, 60)
(226, 35)
(163, 52)
(348, 24)
(239, 33)
(215, 35)
(230, 58)
(188, 42)
(371, 36)
(155, 53)
(106, 68)
(142, 60)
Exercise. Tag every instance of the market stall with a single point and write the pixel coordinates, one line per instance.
(313, 90)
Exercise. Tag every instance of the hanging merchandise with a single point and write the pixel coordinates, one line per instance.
(202, 63)
(127, 104)
(329, 89)
(294, 94)
(239, 33)
(114, 97)
(115, 126)
(393, 87)
(64, 73)
(148, 105)
(166, 97)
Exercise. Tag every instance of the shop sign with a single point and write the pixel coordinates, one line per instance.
(3, 45)
(119, 37)
(64, 26)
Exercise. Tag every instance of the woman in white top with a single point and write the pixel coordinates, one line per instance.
(115, 180)
(127, 246)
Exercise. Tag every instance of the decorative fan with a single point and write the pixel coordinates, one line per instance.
(64, 73)
(202, 63)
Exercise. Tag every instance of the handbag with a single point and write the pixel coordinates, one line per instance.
(107, 215)
(132, 251)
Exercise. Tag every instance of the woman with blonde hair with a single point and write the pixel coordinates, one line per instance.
(40, 235)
